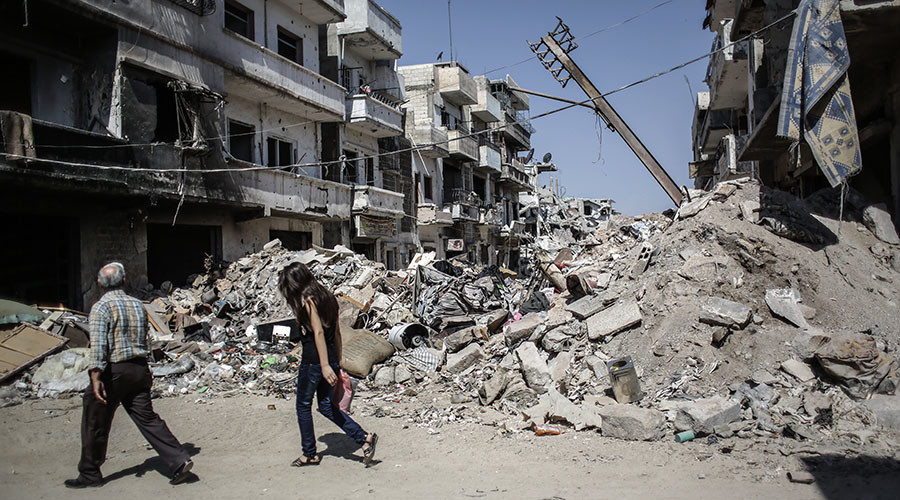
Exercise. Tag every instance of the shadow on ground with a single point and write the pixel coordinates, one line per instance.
(862, 477)
(155, 463)
(339, 445)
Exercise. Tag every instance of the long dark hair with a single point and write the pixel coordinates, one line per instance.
(297, 284)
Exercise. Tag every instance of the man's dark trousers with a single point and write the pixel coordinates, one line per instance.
(127, 383)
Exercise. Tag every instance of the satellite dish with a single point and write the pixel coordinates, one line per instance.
(547, 157)
(530, 156)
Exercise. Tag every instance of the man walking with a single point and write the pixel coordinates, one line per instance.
(120, 375)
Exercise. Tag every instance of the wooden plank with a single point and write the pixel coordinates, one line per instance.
(25, 346)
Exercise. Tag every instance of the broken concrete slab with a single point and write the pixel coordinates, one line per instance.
(750, 210)
(559, 408)
(878, 220)
(689, 252)
(534, 369)
(704, 415)
(614, 319)
(631, 423)
(459, 339)
(558, 339)
(798, 369)
(785, 303)
(384, 376)
(701, 268)
(460, 361)
(493, 387)
(722, 312)
(886, 409)
(559, 365)
(523, 328)
(588, 305)
(602, 281)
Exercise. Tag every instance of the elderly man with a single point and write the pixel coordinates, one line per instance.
(119, 374)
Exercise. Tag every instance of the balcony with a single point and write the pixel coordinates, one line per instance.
(515, 173)
(427, 214)
(719, 11)
(257, 74)
(726, 74)
(489, 158)
(515, 130)
(320, 11)
(487, 108)
(287, 194)
(462, 145)
(433, 139)
(710, 126)
(455, 84)
(370, 200)
(372, 116)
(371, 31)
(490, 217)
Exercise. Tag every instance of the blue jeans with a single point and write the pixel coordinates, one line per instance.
(310, 382)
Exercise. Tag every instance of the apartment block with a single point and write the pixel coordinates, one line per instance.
(736, 129)
(163, 132)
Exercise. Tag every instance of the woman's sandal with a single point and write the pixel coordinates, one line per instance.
(369, 453)
(303, 461)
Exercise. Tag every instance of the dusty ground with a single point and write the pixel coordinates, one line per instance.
(242, 450)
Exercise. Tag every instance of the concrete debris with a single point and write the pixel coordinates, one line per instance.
(798, 369)
(632, 423)
(489, 344)
(878, 220)
(785, 303)
(723, 312)
(621, 316)
(534, 368)
(704, 415)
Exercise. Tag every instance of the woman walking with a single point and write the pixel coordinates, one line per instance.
(317, 312)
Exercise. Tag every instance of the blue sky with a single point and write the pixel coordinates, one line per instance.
(488, 34)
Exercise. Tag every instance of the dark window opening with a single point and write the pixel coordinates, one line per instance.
(370, 171)
(239, 19)
(176, 252)
(588, 210)
(15, 86)
(149, 104)
(427, 188)
(350, 167)
(240, 140)
(280, 153)
(290, 46)
(367, 249)
(43, 267)
(480, 185)
(294, 241)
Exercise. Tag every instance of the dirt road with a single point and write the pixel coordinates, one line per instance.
(242, 450)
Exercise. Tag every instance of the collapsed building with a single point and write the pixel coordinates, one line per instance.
(742, 124)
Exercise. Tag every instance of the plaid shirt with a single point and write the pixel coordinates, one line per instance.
(118, 329)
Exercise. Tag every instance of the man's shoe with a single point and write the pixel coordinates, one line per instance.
(79, 483)
(182, 472)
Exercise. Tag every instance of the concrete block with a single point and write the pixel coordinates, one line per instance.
(878, 220)
(631, 422)
(557, 340)
(534, 369)
(602, 281)
(701, 268)
(559, 365)
(798, 369)
(620, 316)
(704, 415)
(523, 328)
(460, 361)
(457, 340)
(402, 374)
(785, 303)
(722, 312)
(493, 387)
(587, 306)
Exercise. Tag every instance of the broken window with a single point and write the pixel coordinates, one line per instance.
(370, 171)
(239, 19)
(240, 140)
(279, 152)
(15, 86)
(350, 174)
(426, 187)
(176, 252)
(150, 112)
(290, 46)
(294, 241)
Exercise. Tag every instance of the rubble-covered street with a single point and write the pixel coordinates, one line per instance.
(762, 348)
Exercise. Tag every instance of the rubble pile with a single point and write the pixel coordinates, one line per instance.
(746, 314)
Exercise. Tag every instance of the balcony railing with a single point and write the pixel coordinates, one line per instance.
(377, 201)
(455, 84)
(489, 157)
(726, 74)
(371, 30)
(514, 172)
(462, 144)
(432, 140)
(371, 116)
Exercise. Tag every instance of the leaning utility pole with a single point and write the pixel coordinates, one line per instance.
(555, 42)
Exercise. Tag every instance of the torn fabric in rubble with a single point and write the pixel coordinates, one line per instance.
(815, 99)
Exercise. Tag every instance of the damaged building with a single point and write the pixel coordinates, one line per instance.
(836, 61)
(166, 133)
(468, 182)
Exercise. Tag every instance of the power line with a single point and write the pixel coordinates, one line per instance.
(601, 30)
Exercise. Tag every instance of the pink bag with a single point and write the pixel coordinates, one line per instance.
(343, 392)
